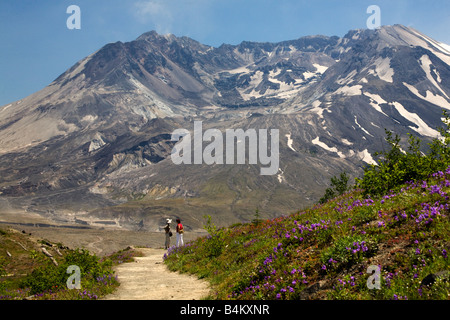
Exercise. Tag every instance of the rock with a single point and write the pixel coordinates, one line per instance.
(44, 251)
(432, 277)
(47, 243)
(54, 261)
(312, 289)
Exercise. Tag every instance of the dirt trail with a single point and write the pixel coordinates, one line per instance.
(149, 279)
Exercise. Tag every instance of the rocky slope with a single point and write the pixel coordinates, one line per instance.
(96, 143)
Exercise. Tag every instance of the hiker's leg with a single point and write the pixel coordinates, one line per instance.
(167, 241)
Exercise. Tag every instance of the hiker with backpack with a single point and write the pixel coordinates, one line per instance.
(180, 231)
(168, 233)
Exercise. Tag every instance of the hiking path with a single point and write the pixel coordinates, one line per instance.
(148, 278)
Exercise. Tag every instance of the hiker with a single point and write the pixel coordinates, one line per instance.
(180, 232)
(168, 233)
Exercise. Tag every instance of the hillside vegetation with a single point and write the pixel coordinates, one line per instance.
(387, 238)
(36, 269)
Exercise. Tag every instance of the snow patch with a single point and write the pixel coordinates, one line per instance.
(238, 70)
(383, 70)
(440, 51)
(438, 76)
(286, 90)
(273, 74)
(430, 97)
(255, 80)
(350, 91)
(375, 97)
(308, 74)
(299, 81)
(346, 142)
(320, 69)
(366, 157)
(96, 143)
(316, 108)
(319, 143)
(426, 66)
(365, 131)
(89, 118)
(289, 142)
(348, 79)
(415, 38)
(444, 46)
(288, 94)
(376, 100)
(423, 128)
(5, 107)
(280, 176)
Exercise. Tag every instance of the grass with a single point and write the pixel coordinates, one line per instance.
(329, 251)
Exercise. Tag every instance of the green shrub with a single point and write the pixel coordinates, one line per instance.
(396, 167)
(48, 276)
(338, 187)
(2, 266)
(44, 278)
(215, 239)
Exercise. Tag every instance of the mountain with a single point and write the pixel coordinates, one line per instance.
(95, 145)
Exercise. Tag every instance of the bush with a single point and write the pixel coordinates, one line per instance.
(338, 187)
(215, 239)
(48, 276)
(396, 167)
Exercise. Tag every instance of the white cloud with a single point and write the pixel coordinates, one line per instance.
(181, 17)
(155, 12)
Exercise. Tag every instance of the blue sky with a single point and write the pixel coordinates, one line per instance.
(36, 46)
